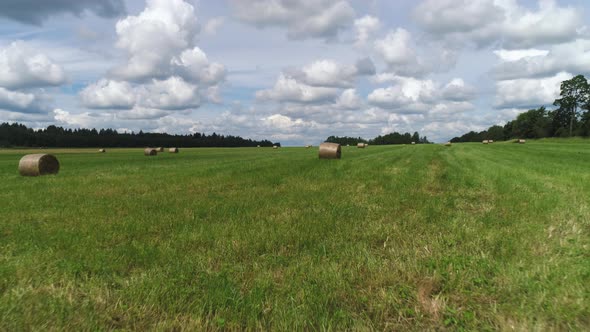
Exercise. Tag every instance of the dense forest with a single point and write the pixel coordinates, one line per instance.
(571, 117)
(393, 138)
(18, 135)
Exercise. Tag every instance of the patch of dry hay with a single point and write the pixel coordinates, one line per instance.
(38, 164)
(150, 152)
(430, 303)
(330, 151)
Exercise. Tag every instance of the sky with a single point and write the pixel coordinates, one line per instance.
(291, 71)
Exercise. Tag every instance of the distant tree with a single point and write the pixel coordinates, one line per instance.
(585, 124)
(345, 140)
(531, 124)
(495, 133)
(392, 138)
(52, 136)
(575, 93)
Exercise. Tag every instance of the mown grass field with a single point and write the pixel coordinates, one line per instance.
(472, 237)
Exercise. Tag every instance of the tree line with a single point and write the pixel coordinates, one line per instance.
(389, 139)
(18, 135)
(571, 117)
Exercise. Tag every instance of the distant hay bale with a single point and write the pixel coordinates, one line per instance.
(360, 145)
(150, 152)
(448, 144)
(308, 146)
(173, 150)
(330, 151)
(347, 144)
(160, 149)
(413, 143)
(257, 146)
(38, 164)
(366, 145)
(521, 141)
(275, 147)
(485, 141)
(490, 141)
(102, 150)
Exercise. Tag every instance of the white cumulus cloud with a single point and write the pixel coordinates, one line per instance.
(571, 57)
(151, 39)
(303, 19)
(108, 94)
(164, 71)
(484, 22)
(529, 93)
(170, 94)
(365, 27)
(288, 89)
(23, 67)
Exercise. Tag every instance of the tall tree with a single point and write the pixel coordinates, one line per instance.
(575, 93)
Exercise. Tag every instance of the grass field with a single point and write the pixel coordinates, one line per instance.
(472, 237)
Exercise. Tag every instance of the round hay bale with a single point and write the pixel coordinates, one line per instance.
(275, 147)
(490, 141)
(102, 150)
(448, 144)
(150, 152)
(160, 149)
(173, 150)
(38, 164)
(485, 141)
(413, 143)
(330, 151)
(360, 145)
(521, 141)
(257, 146)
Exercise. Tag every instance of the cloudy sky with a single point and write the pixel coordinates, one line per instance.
(293, 71)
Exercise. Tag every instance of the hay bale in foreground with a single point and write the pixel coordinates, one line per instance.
(173, 150)
(38, 164)
(150, 152)
(448, 144)
(360, 145)
(102, 150)
(521, 141)
(330, 151)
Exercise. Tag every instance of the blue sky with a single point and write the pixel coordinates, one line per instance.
(290, 71)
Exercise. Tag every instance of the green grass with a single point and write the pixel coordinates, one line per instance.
(472, 237)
